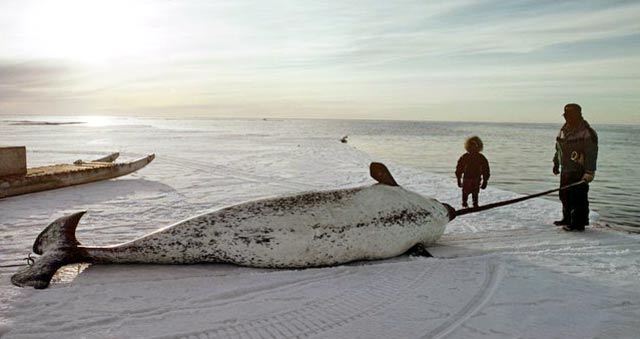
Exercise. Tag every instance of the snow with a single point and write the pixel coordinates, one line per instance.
(504, 273)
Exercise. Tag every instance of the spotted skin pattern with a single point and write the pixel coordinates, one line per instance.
(305, 230)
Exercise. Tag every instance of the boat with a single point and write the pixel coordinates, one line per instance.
(37, 179)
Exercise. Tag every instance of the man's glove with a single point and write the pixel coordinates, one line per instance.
(556, 170)
(484, 184)
(459, 183)
(588, 177)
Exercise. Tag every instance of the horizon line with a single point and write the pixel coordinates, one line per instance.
(198, 117)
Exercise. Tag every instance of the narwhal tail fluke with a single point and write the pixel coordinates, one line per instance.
(57, 246)
(456, 213)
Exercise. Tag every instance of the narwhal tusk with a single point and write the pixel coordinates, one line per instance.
(457, 213)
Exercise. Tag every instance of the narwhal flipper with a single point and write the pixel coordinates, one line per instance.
(419, 250)
(58, 246)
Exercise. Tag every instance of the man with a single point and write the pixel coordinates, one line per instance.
(575, 160)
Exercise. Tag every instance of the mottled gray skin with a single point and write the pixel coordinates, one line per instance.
(305, 230)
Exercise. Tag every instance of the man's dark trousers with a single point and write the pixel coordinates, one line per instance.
(575, 200)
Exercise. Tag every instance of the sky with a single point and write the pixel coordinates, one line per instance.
(456, 60)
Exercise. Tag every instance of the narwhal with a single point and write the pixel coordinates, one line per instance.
(312, 229)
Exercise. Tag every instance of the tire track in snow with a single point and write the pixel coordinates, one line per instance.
(319, 316)
(489, 286)
(199, 304)
(526, 242)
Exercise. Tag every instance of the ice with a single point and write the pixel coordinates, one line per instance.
(504, 273)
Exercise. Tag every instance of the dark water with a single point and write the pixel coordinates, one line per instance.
(520, 156)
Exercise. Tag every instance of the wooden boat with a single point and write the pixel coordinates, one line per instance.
(43, 178)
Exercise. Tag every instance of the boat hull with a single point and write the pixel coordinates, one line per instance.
(51, 177)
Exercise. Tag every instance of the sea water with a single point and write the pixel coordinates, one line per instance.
(520, 155)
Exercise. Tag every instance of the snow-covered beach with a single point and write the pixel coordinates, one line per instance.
(506, 273)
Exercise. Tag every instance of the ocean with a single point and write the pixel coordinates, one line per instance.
(520, 157)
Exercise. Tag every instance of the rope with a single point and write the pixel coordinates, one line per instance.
(30, 261)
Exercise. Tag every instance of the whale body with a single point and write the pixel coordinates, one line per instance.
(305, 230)
(310, 229)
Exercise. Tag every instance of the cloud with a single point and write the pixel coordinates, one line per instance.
(475, 31)
(202, 56)
(30, 80)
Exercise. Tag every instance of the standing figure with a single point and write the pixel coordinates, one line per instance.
(575, 160)
(472, 171)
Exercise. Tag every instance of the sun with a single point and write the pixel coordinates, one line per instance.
(90, 31)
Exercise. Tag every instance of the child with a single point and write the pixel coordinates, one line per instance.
(472, 171)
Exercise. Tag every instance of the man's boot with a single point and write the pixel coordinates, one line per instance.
(562, 222)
